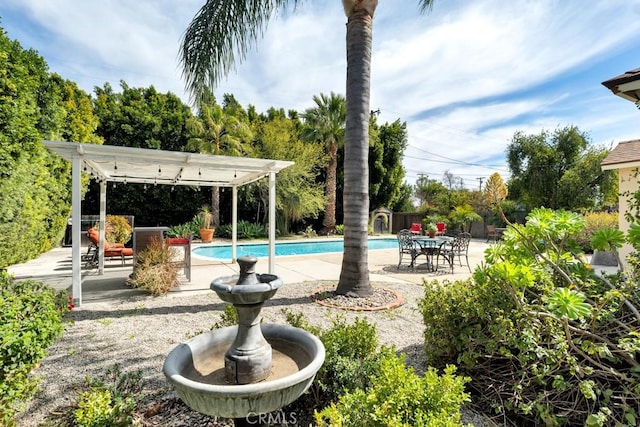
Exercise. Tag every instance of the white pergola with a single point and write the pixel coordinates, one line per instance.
(109, 163)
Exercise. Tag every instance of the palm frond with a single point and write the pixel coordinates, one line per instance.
(426, 6)
(221, 33)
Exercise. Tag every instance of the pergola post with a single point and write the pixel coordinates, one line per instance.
(76, 273)
(234, 222)
(272, 222)
(103, 223)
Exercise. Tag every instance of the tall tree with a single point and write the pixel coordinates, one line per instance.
(224, 28)
(324, 123)
(144, 118)
(220, 131)
(385, 165)
(298, 195)
(557, 170)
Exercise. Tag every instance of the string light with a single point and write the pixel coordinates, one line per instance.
(159, 169)
(115, 166)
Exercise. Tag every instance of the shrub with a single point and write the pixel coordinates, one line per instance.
(108, 401)
(593, 222)
(340, 229)
(154, 270)
(351, 358)
(246, 230)
(30, 321)
(400, 397)
(353, 367)
(545, 340)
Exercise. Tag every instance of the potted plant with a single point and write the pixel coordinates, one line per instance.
(205, 220)
(432, 229)
(117, 229)
(178, 234)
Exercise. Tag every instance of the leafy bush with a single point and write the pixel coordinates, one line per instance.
(108, 401)
(154, 270)
(30, 321)
(351, 358)
(309, 232)
(545, 339)
(246, 230)
(354, 366)
(400, 397)
(340, 229)
(593, 222)
(186, 230)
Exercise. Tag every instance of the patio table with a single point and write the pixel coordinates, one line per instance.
(430, 248)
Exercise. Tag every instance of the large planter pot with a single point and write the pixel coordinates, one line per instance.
(176, 241)
(604, 258)
(206, 234)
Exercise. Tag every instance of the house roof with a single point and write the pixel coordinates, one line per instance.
(112, 163)
(626, 85)
(625, 155)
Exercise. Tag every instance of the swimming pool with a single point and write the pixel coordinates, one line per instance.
(261, 250)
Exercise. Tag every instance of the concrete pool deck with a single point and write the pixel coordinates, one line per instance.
(54, 268)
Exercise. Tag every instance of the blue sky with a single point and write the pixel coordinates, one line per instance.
(465, 77)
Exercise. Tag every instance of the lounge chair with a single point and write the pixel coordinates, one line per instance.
(116, 250)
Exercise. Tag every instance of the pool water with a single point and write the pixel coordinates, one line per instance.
(261, 250)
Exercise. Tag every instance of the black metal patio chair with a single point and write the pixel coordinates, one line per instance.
(406, 246)
(458, 247)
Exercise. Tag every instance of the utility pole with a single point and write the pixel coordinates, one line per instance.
(480, 179)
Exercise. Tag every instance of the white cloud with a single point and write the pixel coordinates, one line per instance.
(465, 76)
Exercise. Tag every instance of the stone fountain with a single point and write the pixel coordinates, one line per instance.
(249, 369)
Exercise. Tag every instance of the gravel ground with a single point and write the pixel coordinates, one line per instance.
(139, 333)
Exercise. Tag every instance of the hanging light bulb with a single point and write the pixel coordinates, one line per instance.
(115, 166)
(144, 187)
(159, 169)
(199, 173)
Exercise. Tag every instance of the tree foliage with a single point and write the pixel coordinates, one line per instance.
(144, 118)
(35, 187)
(386, 173)
(558, 170)
(298, 194)
(324, 123)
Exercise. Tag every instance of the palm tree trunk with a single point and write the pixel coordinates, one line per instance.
(354, 276)
(215, 206)
(329, 221)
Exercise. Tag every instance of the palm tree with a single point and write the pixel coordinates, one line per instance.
(325, 123)
(223, 28)
(215, 131)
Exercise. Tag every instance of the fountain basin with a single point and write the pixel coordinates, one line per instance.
(196, 370)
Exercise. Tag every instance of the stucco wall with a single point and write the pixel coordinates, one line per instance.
(627, 183)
